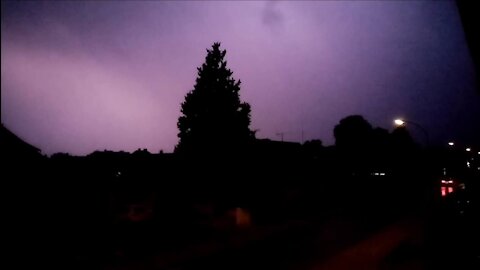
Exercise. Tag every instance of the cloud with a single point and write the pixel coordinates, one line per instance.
(78, 104)
(272, 17)
(80, 77)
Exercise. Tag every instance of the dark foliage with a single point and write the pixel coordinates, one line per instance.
(214, 120)
(353, 132)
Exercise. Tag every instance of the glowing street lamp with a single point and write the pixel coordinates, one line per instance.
(399, 122)
(468, 149)
(451, 143)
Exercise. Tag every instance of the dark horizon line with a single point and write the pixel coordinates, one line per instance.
(162, 152)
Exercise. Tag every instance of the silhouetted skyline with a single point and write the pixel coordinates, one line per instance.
(83, 76)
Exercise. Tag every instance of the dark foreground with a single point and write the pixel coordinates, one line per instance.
(443, 235)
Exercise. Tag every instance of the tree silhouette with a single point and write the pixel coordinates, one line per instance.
(312, 148)
(213, 119)
(353, 133)
(402, 140)
(360, 145)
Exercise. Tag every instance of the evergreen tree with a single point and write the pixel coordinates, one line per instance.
(213, 119)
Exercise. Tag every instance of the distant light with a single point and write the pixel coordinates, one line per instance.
(382, 173)
(377, 173)
(444, 191)
(450, 182)
(451, 143)
(450, 189)
(444, 182)
(468, 164)
(478, 153)
(399, 122)
(468, 149)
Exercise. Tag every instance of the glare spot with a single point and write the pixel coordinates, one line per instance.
(399, 122)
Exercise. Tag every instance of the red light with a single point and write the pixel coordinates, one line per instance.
(450, 189)
(444, 191)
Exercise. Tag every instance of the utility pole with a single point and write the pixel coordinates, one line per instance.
(281, 135)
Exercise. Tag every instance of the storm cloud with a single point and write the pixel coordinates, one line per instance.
(83, 76)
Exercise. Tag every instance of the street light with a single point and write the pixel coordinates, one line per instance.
(468, 149)
(451, 143)
(401, 122)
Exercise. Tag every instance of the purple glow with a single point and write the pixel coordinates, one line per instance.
(82, 76)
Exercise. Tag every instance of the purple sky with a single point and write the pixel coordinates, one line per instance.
(81, 76)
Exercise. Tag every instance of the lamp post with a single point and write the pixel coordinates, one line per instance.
(402, 122)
